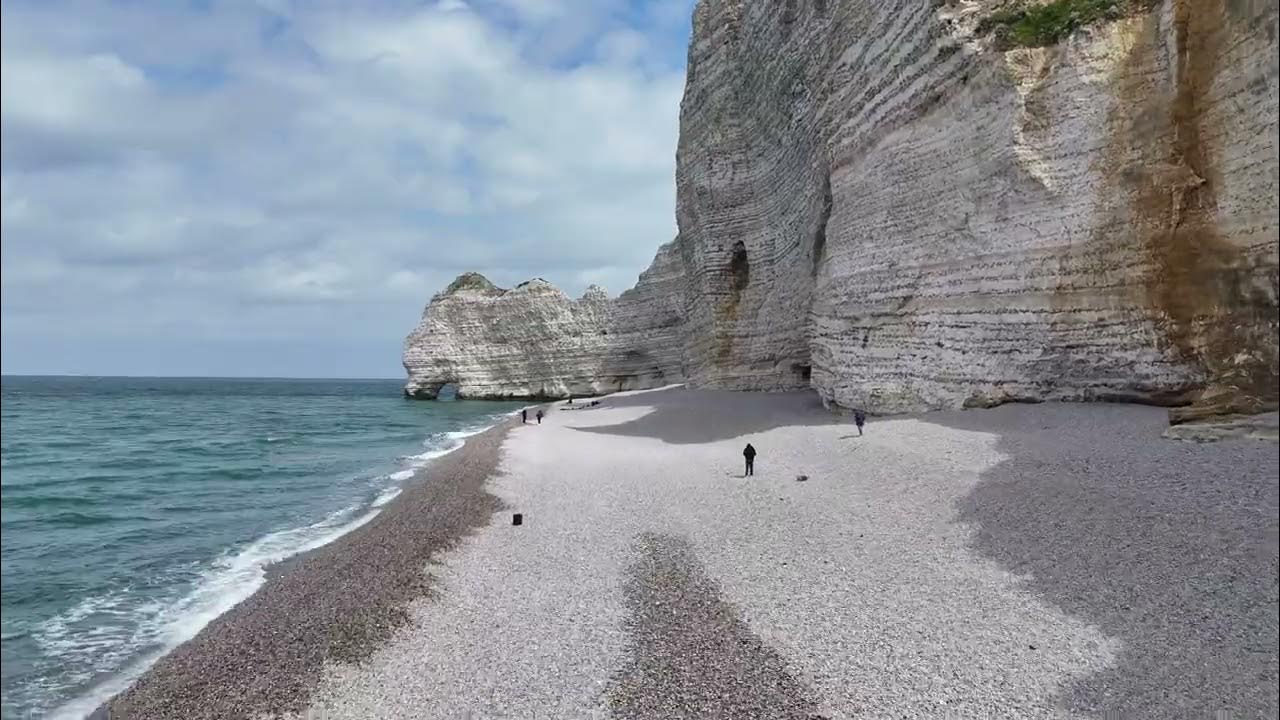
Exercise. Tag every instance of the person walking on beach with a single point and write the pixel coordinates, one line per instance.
(539, 416)
(524, 417)
(750, 454)
(859, 419)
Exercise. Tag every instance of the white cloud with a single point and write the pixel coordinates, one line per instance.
(287, 280)
(172, 165)
(68, 94)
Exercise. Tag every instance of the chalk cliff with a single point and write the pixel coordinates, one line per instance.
(879, 200)
(533, 341)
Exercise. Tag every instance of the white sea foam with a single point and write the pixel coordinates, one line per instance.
(154, 629)
(421, 459)
(464, 434)
(160, 628)
(385, 497)
(108, 642)
(455, 440)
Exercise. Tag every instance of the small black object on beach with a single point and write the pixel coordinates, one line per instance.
(517, 518)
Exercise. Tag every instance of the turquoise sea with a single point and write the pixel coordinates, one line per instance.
(135, 510)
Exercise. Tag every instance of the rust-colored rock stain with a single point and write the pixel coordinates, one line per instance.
(1215, 307)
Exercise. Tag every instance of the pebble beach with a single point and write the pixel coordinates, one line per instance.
(1027, 561)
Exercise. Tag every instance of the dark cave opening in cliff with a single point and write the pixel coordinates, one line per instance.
(739, 267)
(448, 392)
(802, 371)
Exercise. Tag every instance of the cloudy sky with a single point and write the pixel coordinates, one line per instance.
(276, 188)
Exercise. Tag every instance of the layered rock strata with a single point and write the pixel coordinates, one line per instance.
(533, 341)
(875, 201)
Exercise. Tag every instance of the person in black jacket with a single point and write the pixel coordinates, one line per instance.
(750, 454)
(859, 419)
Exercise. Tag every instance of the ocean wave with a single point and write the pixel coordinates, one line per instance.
(453, 440)
(119, 632)
(99, 645)
(44, 500)
(47, 482)
(385, 497)
(468, 432)
(105, 635)
(65, 442)
(423, 459)
(73, 519)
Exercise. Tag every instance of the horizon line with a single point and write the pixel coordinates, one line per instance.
(191, 377)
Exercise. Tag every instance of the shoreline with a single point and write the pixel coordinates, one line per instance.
(962, 560)
(336, 602)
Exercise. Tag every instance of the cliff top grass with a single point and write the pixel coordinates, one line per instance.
(1026, 24)
(471, 281)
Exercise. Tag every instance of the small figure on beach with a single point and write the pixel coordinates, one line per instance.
(570, 400)
(750, 454)
(539, 416)
(859, 419)
(524, 416)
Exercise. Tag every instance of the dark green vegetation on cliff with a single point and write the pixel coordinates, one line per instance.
(1023, 24)
(471, 281)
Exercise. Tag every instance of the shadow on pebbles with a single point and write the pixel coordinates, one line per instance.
(690, 654)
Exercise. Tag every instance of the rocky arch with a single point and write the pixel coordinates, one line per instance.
(432, 389)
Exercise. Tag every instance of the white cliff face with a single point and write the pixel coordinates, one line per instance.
(644, 347)
(530, 341)
(1091, 220)
(875, 202)
(533, 341)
